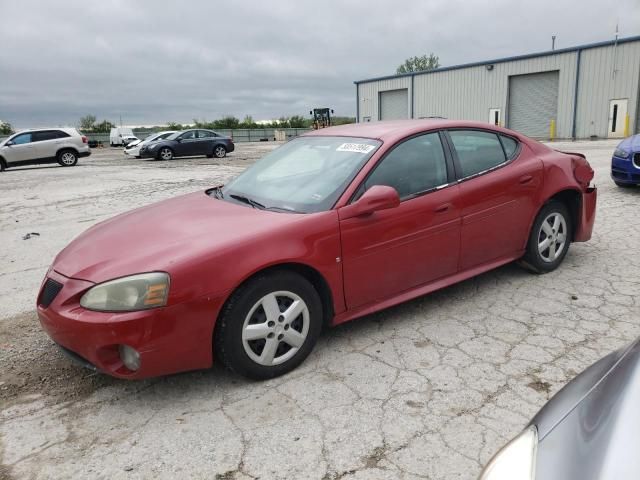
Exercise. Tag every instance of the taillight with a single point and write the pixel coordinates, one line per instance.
(582, 171)
(85, 139)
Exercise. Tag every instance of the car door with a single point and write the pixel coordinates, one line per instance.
(394, 250)
(205, 142)
(20, 149)
(188, 144)
(45, 143)
(498, 182)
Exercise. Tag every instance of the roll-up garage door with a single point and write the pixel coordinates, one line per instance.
(533, 103)
(394, 104)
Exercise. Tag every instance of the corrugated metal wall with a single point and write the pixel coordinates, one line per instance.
(468, 93)
(598, 84)
(369, 94)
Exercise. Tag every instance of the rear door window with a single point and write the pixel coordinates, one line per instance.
(477, 151)
(44, 135)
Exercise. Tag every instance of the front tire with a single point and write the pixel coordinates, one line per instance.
(549, 238)
(219, 151)
(165, 153)
(269, 326)
(67, 158)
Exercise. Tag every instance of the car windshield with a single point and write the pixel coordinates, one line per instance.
(306, 175)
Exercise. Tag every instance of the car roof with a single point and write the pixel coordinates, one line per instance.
(64, 129)
(394, 129)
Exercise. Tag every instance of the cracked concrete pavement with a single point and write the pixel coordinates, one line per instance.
(429, 389)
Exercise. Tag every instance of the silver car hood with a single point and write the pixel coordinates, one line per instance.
(590, 429)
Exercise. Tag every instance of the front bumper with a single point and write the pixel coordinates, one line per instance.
(171, 339)
(626, 170)
(133, 152)
(587, 215)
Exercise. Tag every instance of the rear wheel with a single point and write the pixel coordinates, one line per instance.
(549, 238)
(269, 326)
(165, 153)
(219, 151)
(67, 158)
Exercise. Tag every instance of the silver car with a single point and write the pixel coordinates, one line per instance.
(50, 145)
(587, 431)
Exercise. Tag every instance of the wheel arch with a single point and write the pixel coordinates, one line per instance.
(3, 162)
(309, 273)
(572, 199)
(64, 149)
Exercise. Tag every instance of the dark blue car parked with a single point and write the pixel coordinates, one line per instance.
(625, 164)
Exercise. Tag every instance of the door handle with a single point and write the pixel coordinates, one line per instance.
(525, 179)
(442, 208)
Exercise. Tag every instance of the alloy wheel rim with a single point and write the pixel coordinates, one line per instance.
(166, 154)
(68, 158)
(275, 328)
(552, 237)
(219, 152)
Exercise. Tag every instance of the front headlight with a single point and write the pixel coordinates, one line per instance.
(618, 152)
(516, 460)
(127, 294)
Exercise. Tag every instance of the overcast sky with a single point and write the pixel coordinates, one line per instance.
(156, 61)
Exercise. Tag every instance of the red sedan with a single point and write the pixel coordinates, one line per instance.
(331, 226)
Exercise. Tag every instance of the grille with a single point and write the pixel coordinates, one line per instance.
(49, 291)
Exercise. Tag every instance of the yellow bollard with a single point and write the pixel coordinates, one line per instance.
(552, 129)
(626, 125)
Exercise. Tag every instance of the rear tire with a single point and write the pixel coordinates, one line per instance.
(219, 151)
(269, 325)
(549, 239)
(67, 158)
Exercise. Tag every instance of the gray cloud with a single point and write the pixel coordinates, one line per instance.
(157, 61)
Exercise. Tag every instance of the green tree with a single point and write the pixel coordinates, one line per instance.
(174, 126)
(297, 121)
(87, 123)
(248, 122)
(228, 121)
(104, 126)
(5, 128)
(419, 64)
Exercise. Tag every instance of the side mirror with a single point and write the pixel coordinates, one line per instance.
(9, 143)
(378, 197)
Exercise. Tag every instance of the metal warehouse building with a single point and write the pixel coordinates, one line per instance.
(579, 92)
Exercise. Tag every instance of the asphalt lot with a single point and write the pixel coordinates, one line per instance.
(429, 389)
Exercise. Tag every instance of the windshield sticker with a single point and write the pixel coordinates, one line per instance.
(355, 147)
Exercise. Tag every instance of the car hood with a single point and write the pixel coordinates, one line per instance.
(134, 143)
(161, 236)
(597, 437)
(630, 144)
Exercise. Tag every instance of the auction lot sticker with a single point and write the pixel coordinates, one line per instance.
(355, 147)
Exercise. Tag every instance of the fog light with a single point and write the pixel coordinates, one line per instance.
(130, 357)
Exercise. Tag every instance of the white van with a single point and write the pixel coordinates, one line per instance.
(121, 136)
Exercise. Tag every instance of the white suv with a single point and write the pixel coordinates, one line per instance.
(30, 147)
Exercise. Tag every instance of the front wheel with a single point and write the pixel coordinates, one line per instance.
(549, 238)
(219, 151)
(269, 326)
(165, 153)
(67, 158)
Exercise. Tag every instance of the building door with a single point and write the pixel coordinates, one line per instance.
(533, 103)
(394, 104)
(494, 116)
(617, 118)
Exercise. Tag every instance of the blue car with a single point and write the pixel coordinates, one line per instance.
(625, 164)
